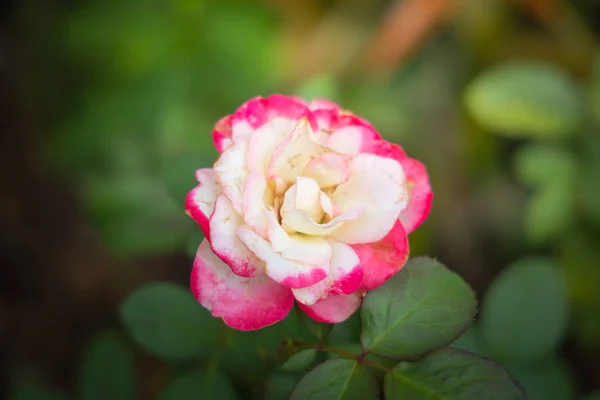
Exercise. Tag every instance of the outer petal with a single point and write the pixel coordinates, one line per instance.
(343, 131)
(377, 184)
(224, 224)
(345, 276)
(231, 171)
(381, 260)
(323, 104)
(421, 195)
(244, 303)
(333, 309)
(200, 201)
(292, 274)
(417, 179)
(222, 134)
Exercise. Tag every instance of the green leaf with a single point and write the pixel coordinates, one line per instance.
(525, 99)
(108, 370)
(544, 380)
(451, 374)
(35, 391)
(316, 328)
(300, 361)
(199, 385)
(422, 307)
(471, 341)
(321, 86)
(167, 321)
(337, 379)
(525, 311)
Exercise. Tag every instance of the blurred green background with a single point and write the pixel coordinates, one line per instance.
(107, 109)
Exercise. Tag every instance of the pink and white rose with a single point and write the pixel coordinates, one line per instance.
(306, 203)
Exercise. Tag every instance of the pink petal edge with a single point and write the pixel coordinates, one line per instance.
(245, 304)
(383, 259)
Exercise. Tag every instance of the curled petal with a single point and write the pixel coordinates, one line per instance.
(200, 201)
(293, 274)
(222, 134)
(224, 224)
(377, 184)
(345, 276)
(328, 170)
(244, 303)
(381, 260)
(300, 221)
(333, 309)
(304, 195)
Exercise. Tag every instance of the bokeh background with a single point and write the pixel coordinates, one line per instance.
(107, 108)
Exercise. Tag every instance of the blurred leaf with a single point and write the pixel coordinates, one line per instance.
(545, 380)
(318, 329)
(337, 379)
(300, 361)
(199, 385)
(280, 386)
(108, 370)
(549, 214)
(422, 307)
(35, 391)
(537, 164)
(525, 99)
(321, 87)
(525, 311)
(167, 321)
(451, 374)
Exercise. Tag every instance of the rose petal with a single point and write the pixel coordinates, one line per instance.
(294, 153)
(421, 196)
(244, 303)
(300, 221)
(323, 104)
(334, 309)
(377, 184)
(304, 195)
(200, 201)
(292, 274)
(345, 276)
(381, 260)
(257, 194)
(417, 179)
(231, 171)
(328, 170)
(222, 134)
(224, 241)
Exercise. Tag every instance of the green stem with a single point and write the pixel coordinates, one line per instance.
(360, 358)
